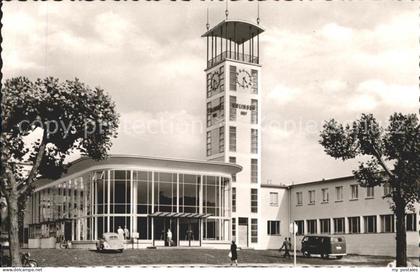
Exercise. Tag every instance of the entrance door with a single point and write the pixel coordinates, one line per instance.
(161, 227)
(243, 232)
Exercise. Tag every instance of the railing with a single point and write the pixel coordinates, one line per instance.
(232, 55)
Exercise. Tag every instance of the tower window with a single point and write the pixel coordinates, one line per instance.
(254, 111)
(254, 171)
(254, 200)
(254, 230)
(233, 199)
(233, 160)
(208, 143)
(222, 139)
(232, 111)
(232, 139)
(232, 76)
(254, 141)
(254, 87)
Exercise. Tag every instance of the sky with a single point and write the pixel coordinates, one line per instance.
(320, 60)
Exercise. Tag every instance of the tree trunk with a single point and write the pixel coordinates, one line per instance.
(12, 206)
(401, 235)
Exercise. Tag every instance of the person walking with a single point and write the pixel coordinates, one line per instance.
(290, 244)
(286, 247)
(233, 254)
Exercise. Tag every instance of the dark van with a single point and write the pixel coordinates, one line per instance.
(324, 245)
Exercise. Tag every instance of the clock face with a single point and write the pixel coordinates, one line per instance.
(243, 78)
(215, 80)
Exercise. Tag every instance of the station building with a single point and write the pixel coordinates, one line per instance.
(220, 199)
(146, 195)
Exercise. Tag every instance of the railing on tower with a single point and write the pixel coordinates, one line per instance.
(231, 55)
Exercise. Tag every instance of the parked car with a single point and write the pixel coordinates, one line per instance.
(324, 245)
(110, 241)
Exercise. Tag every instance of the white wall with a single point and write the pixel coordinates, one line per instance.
(273, 213)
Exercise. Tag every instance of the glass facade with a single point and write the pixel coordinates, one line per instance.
(85, 207)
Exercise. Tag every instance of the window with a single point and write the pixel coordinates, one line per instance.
(370, 224)
(221, 139)
(232, 75)
(233, 160)
(411, 222)
(232, 139)
(311, 226)
(232, 112)
(339, 193)
(325, 225)
(215, 111)
(254, 230)
(208, 114)
(254, 87)
(387, 223)
(254, 141)
(254, 171)
(299, 198)
(233, 199)
(254, 111)
(274, 199)
(233, 228)
(208, 143)
(339, 225)
(354, 224)
(325, 195)
(370, 192)
(354, 191)
(387, 189)
(273, 227)
(311, 197)
(301, 227)
(254, 200)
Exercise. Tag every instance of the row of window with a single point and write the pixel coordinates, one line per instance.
(254, 200)
(387, 224)
(217, 135)
(232, 140)
(325, 198)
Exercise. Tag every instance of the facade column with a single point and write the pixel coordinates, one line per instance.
(318, 226)
(108, 204)
(362, 224)
(305, 227)
(346, 225)
(378, 223)
(332, 230)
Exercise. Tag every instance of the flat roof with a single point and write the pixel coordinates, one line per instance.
(323, 181)
(236, 30)
(279, 186)
(121, 160)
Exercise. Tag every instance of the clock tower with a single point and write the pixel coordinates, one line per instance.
(233, 131)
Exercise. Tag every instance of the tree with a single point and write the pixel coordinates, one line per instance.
(393, 159)
(60, 118)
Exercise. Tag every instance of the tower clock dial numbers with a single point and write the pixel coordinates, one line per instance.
(214, 81)
(243, 78)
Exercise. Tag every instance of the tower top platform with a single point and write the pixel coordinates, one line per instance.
(235, 30)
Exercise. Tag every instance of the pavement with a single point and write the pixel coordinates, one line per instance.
(197, 257)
